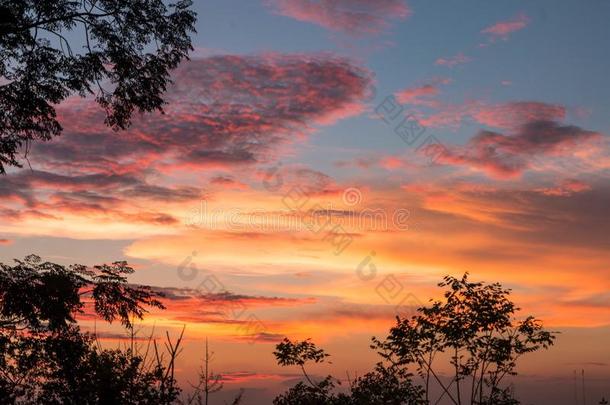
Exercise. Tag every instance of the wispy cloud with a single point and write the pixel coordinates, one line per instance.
(423, 94)
(452, 61)
(355, 17)
(566, 187)
(507, 116)
(503, 29)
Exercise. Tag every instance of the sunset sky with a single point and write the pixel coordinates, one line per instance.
(322, 164)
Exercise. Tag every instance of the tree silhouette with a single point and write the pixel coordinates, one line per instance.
(44, 356)
(45, 297)
(474, 325)
(208, 383)
(382, 386)
(121, 52)
(297, 353)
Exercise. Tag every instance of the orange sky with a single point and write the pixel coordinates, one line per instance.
(281, 195)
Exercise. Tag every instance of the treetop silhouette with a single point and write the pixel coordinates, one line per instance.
(123, 57)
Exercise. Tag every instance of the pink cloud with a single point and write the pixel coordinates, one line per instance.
(503, 115)
(422, 95)
(566, 188)
(349, 16)
(453, 61)
(392, 163)
(515, 114)
(223, 112)
(503, 29)
(411, 94)
(5, 241)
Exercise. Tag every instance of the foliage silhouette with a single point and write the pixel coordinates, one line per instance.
(208, 382)
(44, 296)
(123, 59)
(44, 356)
(474, 327)
(383, 386)
(389, 385)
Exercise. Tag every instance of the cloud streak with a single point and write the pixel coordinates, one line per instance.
(503, 29)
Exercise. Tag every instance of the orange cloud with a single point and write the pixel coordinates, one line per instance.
(245, 377)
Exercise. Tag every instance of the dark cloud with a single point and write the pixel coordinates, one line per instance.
(201, 306)
(227, 182)
(533, 217)
(503, 155)
(222, 297)
(49, 195)
(265, 337)
(153, 192)
(306, 181)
